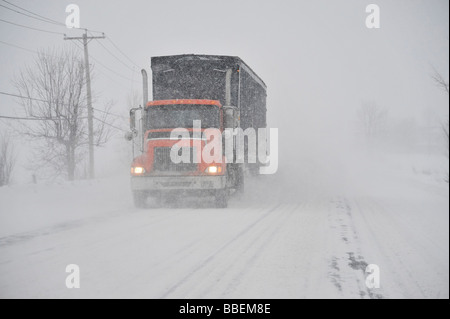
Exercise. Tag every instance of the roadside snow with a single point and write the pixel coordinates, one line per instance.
(302, 233)
(31, 207)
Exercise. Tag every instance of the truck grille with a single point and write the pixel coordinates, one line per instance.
(163, 163)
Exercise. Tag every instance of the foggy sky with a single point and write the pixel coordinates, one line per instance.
(318, 59)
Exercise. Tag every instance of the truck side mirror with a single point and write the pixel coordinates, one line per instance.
(133, 119)
(130, 135)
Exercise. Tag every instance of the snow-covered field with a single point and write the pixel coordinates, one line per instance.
(292, 236)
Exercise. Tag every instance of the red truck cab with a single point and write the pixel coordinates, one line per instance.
(154, 172)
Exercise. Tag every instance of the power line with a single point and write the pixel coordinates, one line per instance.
(29, 50)
(31, 28)
(118, 49)
(35, 118)
(59, 33)
(36, 52)
(109, 69)
(113, 55)
(47, 19)
(18, 47)
(108, 76)
(50, 55)
(53, 119)
(109, 113)
(40, 100)
(30, 16)
(22, 97)
(109, 124)
(40, 16)
(25, 118)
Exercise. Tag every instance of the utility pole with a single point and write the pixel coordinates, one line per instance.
(86, 39)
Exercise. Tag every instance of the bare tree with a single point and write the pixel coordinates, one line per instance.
(443, 84)
(53, 92)
(440, 81)
(372, 119)
(445, 130)
(7, 159)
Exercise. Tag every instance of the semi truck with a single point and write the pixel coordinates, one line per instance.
(194, 93)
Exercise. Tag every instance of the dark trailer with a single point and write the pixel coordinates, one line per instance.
(224, 78)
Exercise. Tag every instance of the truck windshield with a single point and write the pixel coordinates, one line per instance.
(173, 116)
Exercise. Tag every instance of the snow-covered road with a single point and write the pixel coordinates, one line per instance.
(301, 246)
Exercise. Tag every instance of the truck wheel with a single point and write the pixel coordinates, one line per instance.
(140, 199)
(221, 199)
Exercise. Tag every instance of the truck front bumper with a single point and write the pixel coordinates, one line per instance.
(161, 183)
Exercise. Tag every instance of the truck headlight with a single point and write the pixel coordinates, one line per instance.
(213, 169)
(137, 170)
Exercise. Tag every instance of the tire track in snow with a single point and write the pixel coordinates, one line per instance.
(271, 230)
(227, 271)
(212, 256)
(347, 265)
(394, 254)
(185, 250)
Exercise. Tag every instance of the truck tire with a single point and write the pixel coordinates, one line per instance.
(221, 199)
(140, 199)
